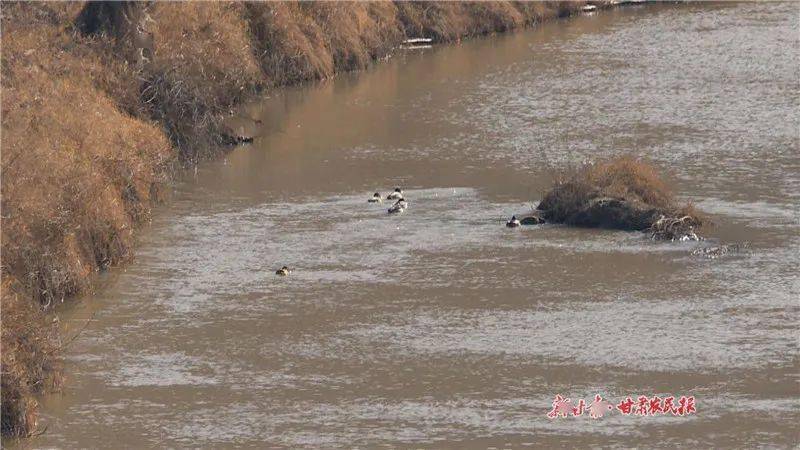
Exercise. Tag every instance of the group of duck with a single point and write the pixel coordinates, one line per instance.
(399, 205)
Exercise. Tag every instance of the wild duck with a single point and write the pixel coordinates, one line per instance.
(396, 195)
(513, 223)
(399, 206)
(283, 271)
(376, 198)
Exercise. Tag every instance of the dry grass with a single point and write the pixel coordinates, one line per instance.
(202, 66)
(624, 192)
(99, 100)
(78, 175)
(451, 21)
(309, 41)
(28, 361)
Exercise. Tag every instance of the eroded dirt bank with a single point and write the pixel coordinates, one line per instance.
(101, 102)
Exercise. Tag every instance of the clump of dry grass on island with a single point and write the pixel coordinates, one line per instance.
(623, 193)
(99, 100)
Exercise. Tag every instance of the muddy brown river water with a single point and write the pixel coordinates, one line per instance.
(440, 327)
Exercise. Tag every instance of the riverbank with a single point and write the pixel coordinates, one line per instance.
(101, 103)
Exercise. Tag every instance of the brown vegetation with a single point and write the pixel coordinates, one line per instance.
(28, 361)
(99, 100)
(622, 193)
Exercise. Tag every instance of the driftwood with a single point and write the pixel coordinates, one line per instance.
(532, 218)
(674, 229)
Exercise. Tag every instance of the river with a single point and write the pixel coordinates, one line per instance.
(440, 327)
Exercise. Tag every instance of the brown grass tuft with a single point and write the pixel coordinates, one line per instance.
(630, 179)
(624, 192)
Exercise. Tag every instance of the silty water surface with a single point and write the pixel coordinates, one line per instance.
(440, 327)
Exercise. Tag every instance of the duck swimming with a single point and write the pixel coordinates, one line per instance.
(376, 198)
(399, 206)
(396, 195)
(283, 271)
(513, 223)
